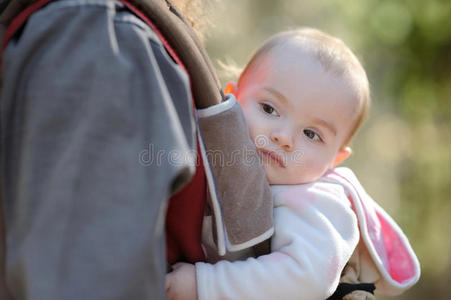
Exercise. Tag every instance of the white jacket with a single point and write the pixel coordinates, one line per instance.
(317, 228)
(315, 235)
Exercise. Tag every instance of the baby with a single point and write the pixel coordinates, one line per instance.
(304, 95)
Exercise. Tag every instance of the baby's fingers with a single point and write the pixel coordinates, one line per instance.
(178, 265)
(168, 281)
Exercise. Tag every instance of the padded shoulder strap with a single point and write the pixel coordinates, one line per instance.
(181, 38)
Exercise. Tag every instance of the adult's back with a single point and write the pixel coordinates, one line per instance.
(87, 87)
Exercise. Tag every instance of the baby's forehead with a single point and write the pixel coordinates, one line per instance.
(324, 62)
(294, 47)
(282, 60)
(296, 57)
(336, 88)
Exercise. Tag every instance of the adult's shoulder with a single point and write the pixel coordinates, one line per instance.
(75, 22)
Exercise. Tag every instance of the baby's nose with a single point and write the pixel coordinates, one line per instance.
(284, 140)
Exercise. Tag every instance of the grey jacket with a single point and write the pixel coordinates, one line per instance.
(92, 110)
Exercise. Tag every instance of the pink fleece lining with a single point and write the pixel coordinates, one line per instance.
(401, 267)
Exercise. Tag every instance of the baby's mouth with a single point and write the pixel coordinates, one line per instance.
(272, 156)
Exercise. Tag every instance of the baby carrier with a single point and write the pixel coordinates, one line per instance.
(183, 46)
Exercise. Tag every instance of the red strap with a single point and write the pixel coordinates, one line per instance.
(19, 20)
(184, 219)
(143, 17)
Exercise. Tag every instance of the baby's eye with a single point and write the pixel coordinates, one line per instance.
(312, 135)
(269, 109)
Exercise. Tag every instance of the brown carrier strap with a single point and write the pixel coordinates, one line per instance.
(204, 82)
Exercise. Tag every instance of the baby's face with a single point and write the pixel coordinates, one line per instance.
(298, 115)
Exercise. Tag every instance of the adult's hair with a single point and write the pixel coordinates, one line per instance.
(197, 12)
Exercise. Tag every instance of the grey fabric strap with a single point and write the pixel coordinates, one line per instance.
(4, 294)
(246, 211)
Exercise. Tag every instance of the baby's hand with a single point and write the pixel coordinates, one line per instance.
(181, 282)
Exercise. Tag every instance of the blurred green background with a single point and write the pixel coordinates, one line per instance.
(402, 155)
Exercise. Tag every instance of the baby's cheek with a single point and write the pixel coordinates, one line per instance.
(316, 164)
(257, 135)
(306, 171)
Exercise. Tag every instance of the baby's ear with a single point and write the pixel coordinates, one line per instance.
(342, 155)
(231, 88)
